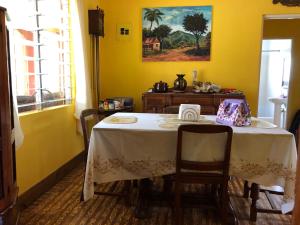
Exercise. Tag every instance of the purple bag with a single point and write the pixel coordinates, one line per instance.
(234, 112)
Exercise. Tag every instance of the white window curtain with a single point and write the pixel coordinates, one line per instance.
(83, 94)
(18, 132)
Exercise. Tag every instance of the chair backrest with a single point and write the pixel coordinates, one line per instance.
(297, 137)
(295, 127)
(88, 118)
(219, 163)
(171, 109)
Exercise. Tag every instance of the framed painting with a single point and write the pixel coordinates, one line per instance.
(176, 33)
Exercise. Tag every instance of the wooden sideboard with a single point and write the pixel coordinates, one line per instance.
(156, 102)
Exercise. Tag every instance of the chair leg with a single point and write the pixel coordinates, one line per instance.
(246, 190)
(167, 185)
(224, 204)
(254, 196)
(214, 190)
(167, 188)
(178, 208)
(135, 183)
(142, 209)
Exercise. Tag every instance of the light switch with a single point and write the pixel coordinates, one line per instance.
(124, 31)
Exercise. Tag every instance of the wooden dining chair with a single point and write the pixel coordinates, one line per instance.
(215, 172)
(269, 192)
(171, 109)
(88, 118)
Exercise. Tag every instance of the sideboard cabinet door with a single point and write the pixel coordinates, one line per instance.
(155, 102)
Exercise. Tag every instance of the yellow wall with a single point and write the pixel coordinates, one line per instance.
(235, 56)
(50, 139)
(289, 29)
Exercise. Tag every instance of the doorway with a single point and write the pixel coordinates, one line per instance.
(274, 80)
(287, 27)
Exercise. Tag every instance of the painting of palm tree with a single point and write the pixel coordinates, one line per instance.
(153, 15)
(177, 33)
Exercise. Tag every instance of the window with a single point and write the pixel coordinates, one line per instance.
(40, 54)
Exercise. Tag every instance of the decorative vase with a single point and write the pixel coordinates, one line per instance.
(180, 83)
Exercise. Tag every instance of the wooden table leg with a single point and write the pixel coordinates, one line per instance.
(167, 185)
(254, 196)
(127, 187)
(142, 209)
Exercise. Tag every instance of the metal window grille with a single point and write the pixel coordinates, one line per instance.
(41, 55)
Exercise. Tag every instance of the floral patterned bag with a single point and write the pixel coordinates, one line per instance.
(234, 112)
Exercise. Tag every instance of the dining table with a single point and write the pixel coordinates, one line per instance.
(129, 146)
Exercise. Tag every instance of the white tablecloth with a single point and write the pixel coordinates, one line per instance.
(146, 149)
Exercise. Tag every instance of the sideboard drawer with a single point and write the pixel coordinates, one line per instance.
(192, 100)
(155, 100)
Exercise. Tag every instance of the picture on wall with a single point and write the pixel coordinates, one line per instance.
(177, 33)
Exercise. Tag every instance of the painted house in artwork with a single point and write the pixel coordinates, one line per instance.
(151, 44)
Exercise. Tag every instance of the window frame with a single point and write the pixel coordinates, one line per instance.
(42, 97)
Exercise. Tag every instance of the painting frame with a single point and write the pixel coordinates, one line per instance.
(287, 2)
(181, 33)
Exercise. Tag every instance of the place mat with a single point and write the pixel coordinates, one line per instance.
(177, 120)
(258, 123)
(120, 119)
(169, 116)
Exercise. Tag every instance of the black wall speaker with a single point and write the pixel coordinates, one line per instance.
(96, 22)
